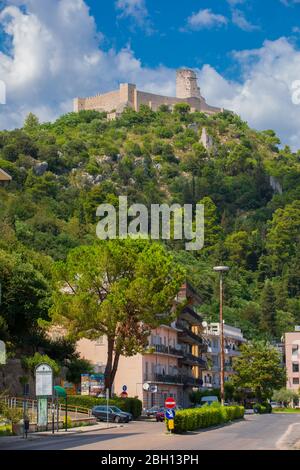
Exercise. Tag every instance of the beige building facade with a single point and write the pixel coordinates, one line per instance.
(114, 102)
(171, 364)
(292, 360)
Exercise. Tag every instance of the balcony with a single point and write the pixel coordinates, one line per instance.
(193, 360)
(164, 378)
(178, 379)
(213, 350)
(191, 316)
(188, 336)
(193, 381)
(163, 349)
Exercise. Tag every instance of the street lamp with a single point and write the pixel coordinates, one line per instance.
(221, 270)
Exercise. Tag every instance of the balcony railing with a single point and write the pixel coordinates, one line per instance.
(178, 379)
(194, 360)
(163, 349)
(189, 336)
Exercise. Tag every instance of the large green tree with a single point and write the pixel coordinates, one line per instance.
(258, 369)
(25, 299)
(119, 289)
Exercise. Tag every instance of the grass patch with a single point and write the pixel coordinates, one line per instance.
(286, 410)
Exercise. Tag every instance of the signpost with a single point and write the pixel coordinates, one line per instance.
(170, 404)
(2, 353)
(60, 392)
(43, 390)
(107, 404)
(44, 381)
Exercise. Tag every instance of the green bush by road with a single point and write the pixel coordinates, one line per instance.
(130, 405)
(197, 418)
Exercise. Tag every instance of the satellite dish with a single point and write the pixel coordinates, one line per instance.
(146, 387)
(204, 324)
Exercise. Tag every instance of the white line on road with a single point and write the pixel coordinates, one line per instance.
(284, 443)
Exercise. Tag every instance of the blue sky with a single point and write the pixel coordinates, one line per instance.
(158, 37)
(246, 54)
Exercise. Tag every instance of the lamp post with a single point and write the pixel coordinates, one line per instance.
(221, 270)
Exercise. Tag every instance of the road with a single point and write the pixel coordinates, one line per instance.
(255, 432)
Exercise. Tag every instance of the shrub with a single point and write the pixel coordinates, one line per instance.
(130, 405)
(6, 430)
(262, 408)
(69, 422)
(198, 418)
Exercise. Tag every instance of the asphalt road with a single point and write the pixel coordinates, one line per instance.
(255, 432)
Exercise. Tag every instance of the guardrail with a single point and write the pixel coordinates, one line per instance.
(31, 406)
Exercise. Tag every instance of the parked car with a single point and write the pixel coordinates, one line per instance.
(276, 404)
(126, 413)
(102, 412)
(208, 401)
(151, 412)
(160, 415)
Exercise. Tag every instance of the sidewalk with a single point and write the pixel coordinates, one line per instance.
(61, 433)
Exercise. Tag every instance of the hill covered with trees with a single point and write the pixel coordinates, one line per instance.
(63, 170)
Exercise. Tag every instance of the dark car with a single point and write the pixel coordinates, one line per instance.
(102, 413)
(125, 413)
(151, 412)
(160, 415)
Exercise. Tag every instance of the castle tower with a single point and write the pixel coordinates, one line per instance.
(186, 84)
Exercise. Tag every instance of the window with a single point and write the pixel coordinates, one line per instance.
(295, 381)
(295, 348)
(99, 341)
(295, 367)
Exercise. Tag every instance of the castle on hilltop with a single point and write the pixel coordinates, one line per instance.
(114, 102)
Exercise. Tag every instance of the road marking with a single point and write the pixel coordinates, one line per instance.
(282, 443)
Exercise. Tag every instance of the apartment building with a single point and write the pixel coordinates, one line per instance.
(292, 359)
(171, 364)
(233, 339)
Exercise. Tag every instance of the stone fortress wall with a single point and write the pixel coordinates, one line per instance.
(114, 102)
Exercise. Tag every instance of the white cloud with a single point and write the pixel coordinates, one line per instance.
(239, 19)
(206, 19)
(264, 96)
(135, 9)
(57, 54)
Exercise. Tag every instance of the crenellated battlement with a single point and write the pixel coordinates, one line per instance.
(114, 102)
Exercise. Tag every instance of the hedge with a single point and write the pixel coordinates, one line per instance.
(131, 405)
(197, 418)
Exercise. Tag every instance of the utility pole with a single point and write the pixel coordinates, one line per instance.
(221, 270)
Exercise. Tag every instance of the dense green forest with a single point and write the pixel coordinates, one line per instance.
(63, 170)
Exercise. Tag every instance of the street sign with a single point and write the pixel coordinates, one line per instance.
(42, 413)
(170, 403)
(170, 414)
(43, 381)
(171, 424)
(2, 353)
(124, 388)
